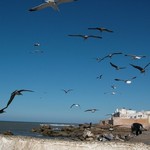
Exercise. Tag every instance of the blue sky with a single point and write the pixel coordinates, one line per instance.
(68, 62)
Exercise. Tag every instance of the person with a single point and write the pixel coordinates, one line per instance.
(137, 128)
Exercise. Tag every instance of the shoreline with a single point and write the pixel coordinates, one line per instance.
(32, 143)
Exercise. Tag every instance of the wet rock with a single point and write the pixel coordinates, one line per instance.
(88, 132)
(8, 133)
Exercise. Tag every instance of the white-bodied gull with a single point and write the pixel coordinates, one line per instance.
(85, 37)
(91, 110)
(127, 81)
(74, 105)
(135, 56)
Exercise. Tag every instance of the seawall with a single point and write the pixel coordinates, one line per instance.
(27, 143)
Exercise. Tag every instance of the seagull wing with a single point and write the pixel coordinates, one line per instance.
(70, 90)
(41, 6)
(113, 65)
(147, 65)
(137, 67)
(117, 53)
(108, 30)
(142, 56)
(79, 35)
(93, 28)
(13, 94)
(88, 110)
(103, 58)
(2, 110)
(130, 55)
(64, 1)
(72, 105)
(118, 79)
(95, 36)
(23, 90)
(133, 78)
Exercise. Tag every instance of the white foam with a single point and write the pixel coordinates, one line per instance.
(27, 143)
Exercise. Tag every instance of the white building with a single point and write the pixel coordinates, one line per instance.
(128, 116)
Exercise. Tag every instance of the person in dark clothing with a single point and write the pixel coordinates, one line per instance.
(137, 128)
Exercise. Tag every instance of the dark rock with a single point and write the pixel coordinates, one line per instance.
(8, 133)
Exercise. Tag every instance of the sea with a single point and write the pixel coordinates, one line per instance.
(25, 128)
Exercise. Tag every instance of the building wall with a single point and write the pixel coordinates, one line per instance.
(128, 122)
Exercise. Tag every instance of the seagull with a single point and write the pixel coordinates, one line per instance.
(116, 67)
(142, 70)
(100, 29)
(16, 92)
(66, 91)
(91, 110)
(111, 55)
(50, 3)
(85, 37)
(76, 105)
(99, 77)
(135, 56)
(36, 44)
(13, 94)
(113, 87)
(127, 81)
(113, 92)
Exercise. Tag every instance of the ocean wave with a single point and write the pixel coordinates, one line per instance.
(57, 125)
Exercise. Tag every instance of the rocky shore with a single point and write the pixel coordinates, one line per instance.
(95, 132)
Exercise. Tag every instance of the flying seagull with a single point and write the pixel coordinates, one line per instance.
(16, 92)
(85, 37)
(127, 81)
(13, 94)
(100, 29)
(91, 110)
(142, 70)
(36, 44)
(99, 77)
(116, 67)
(111, 55)
(66, 91)
(135, 56)
(74, 105)
(50, 3)
(112, 93)
(113, 87)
